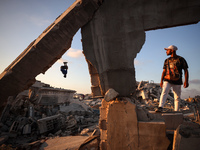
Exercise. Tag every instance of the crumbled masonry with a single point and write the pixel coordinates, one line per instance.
(113, 32)
(29, 122)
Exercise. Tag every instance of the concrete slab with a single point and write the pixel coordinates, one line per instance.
(152, 135)
(172, 120)
(122, 130)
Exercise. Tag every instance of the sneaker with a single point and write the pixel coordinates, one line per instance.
(159, 110)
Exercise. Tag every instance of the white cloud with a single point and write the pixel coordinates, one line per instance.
(60, 61)
(75, 53)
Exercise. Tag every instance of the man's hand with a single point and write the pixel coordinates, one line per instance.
(186, 84)
(161, 84)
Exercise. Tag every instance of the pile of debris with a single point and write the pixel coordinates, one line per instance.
(148, 95)
(43, 112)
(32, 117)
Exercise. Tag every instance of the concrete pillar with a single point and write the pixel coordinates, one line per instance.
(111, 41)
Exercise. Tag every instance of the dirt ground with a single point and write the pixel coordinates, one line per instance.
(63, 143)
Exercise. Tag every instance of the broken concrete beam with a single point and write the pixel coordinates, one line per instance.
(43, 52)
(172, 120)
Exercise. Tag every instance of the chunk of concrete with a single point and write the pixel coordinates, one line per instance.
(172, 120)
(110, 95)
(186, 137)
(152, 135)
(122, 127)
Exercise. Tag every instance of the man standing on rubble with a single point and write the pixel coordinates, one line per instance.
(172, 77)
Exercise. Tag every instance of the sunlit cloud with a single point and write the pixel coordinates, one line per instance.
(60, 61)
(195, 81)
(74, 53)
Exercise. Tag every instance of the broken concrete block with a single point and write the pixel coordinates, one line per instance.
(48, 123)
(142, 115)
(27, 129)
(152, 135)
(172, 120)
(110, 95)
(186, 137)
(122, 127)
(84, 132)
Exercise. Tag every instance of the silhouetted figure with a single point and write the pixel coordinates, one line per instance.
(64, 69)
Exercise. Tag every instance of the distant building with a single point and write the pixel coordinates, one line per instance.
(44, 94)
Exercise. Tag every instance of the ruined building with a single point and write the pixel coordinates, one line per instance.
(113, 32)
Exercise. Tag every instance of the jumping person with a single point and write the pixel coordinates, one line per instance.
(63, 69)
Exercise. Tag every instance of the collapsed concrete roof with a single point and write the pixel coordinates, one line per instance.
(108, 50)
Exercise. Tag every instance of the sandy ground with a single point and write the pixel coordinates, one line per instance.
(63, 143)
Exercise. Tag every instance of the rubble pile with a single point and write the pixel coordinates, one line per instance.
(25, 121)
(28, 120)
(148, 95)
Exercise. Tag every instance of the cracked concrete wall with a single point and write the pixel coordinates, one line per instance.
(112, 39)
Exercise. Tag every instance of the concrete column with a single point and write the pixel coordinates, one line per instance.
(111, 41)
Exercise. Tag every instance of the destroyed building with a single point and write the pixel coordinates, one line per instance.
(110, 53)
(34, 123)
(41, 112)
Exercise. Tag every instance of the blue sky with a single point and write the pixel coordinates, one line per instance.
(22, 21)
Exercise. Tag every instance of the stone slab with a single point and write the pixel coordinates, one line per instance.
(152, 135)
(172, 120)
(122, 130)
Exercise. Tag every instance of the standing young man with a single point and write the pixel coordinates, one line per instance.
(172, 77)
